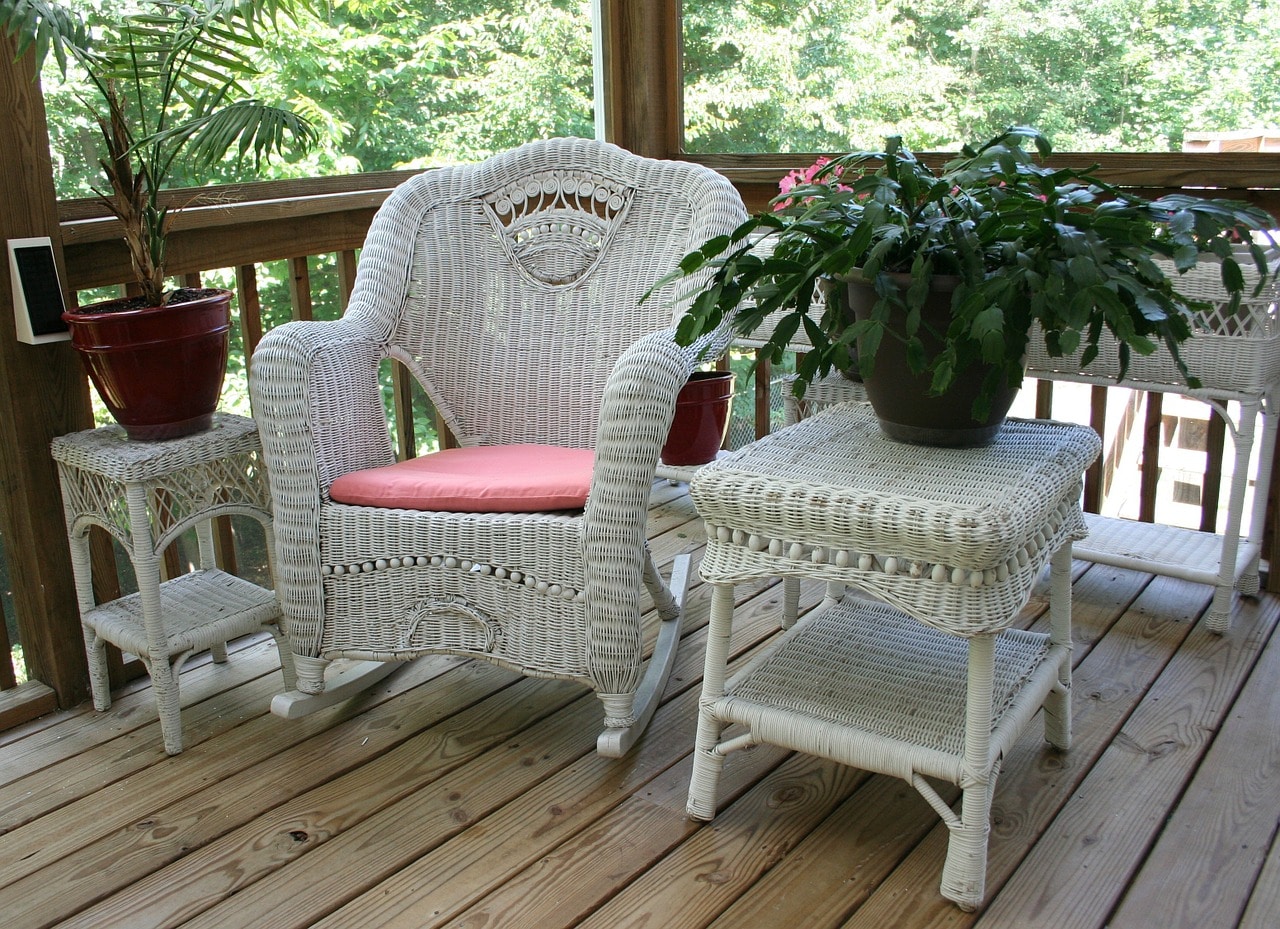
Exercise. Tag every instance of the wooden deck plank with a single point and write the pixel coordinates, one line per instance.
(67, 733)
(1263, 911)
(721, 863)
(1078, 871)
(264, 825)
(431, 869)
(1226, 821)
(136, 742)
(283, 832)
(28, 700)
(575, 879)
(828, 875)
(1107, 685)
(134, 802)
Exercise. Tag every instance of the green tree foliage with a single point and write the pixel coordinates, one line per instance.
(835, 75)
(396, 83)
(388, 84)
(402, 83)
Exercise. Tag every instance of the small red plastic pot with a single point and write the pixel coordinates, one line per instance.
(701, 420)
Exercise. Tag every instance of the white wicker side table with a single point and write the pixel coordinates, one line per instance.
(929, 681)
(146, 494)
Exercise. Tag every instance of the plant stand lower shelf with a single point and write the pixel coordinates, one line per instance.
(201, 610)
(1169, 551)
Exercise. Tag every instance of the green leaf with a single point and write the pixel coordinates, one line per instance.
(988, 330)
(692, 262)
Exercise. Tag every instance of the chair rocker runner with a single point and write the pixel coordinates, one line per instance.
(510, 290)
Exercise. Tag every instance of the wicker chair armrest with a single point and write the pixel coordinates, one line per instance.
(316, 400)
(636, 413)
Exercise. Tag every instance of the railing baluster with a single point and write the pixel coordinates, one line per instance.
(300, 288)
(1150, 458)
(346, 276)
(250, 303)
(1211, 486)
(763, 394)
(1093, 476)
(402, 403)
(1044, 399)
(8, 675)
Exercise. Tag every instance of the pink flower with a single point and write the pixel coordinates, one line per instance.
(807, 176)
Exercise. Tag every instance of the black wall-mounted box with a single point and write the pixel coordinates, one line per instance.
(37, 293)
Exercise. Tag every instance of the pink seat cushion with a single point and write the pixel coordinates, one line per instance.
(484, 479)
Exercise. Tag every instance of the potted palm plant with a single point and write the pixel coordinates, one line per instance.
(950, 272)
(167, 89)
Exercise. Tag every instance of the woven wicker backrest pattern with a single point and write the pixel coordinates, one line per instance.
(524, 282)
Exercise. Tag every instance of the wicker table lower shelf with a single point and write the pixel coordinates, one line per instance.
(866, 685)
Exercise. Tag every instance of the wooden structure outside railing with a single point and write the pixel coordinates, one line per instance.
(239, 228)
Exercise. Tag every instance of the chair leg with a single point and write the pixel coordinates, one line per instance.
(614, 743)
(164, 682)
(348, 679)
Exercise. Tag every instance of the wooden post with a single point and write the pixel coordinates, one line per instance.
(642, 75)
(43, 394)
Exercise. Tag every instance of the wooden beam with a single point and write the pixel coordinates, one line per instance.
(25, 702)
(642, 75)
(101, 262)
(44, 394)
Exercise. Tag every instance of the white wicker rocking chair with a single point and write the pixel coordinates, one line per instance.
(511, 290)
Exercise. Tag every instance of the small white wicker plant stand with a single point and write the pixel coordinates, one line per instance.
(146, 494)
(929, 681)
(1237, 360)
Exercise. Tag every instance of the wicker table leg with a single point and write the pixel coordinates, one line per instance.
(1057, 704)
(964, 874)
(708, 759)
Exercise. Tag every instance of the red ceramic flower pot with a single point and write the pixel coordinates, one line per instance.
(701, 420)
(158, 369)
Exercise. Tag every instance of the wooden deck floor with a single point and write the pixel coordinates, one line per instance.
(457, 794)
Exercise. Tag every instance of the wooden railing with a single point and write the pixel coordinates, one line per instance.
(240, 228)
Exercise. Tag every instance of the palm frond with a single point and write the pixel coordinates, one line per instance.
(250, 127)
